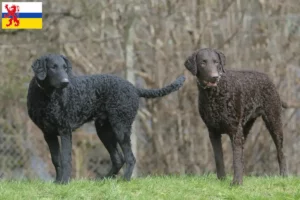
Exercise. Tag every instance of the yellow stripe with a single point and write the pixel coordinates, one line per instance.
(25, 23)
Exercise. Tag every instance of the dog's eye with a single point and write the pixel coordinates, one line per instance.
(54, 66)
(215, 61)
(65, 67)
(203, 62)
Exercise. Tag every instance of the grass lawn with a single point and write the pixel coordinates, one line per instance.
(155, 188)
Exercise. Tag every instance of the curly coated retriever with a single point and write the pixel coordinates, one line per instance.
(59, 102)
(229, 103)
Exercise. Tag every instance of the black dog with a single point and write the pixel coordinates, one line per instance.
(59, 102)
(230, 101)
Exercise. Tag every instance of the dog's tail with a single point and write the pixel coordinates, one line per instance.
(153, 93)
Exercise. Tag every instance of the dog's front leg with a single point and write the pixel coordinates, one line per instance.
(66, 155)
(215, 139)
(53, 145)
(237, 141)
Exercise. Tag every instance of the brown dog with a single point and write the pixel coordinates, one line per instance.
(229, 103)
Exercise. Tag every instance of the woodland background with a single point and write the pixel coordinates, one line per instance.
(147, 41)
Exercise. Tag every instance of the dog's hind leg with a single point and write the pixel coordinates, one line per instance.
(121, 117)
(107, 136)
(122, 133)
(125, 144)
(272, 119)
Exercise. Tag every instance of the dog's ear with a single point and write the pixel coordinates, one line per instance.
(222, 59)
(39, 67)
(190, 64)
(68, 63)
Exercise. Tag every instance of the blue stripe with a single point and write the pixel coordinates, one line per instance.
(27, 15)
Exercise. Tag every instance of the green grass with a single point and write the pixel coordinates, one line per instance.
(155, 188)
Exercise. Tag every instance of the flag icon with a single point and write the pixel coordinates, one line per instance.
(22, 15)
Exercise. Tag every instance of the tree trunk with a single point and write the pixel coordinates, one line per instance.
(130, 76)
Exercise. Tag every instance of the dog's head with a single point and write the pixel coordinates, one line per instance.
(53, 70)
(207, 65)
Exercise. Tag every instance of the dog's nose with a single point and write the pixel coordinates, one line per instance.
(214, 79)
(64, 82)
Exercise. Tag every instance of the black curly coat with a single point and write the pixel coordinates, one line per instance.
(229, 103)
(59, 102)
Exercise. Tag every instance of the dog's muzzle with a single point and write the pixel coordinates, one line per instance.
(64, 83)
(208, 84)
